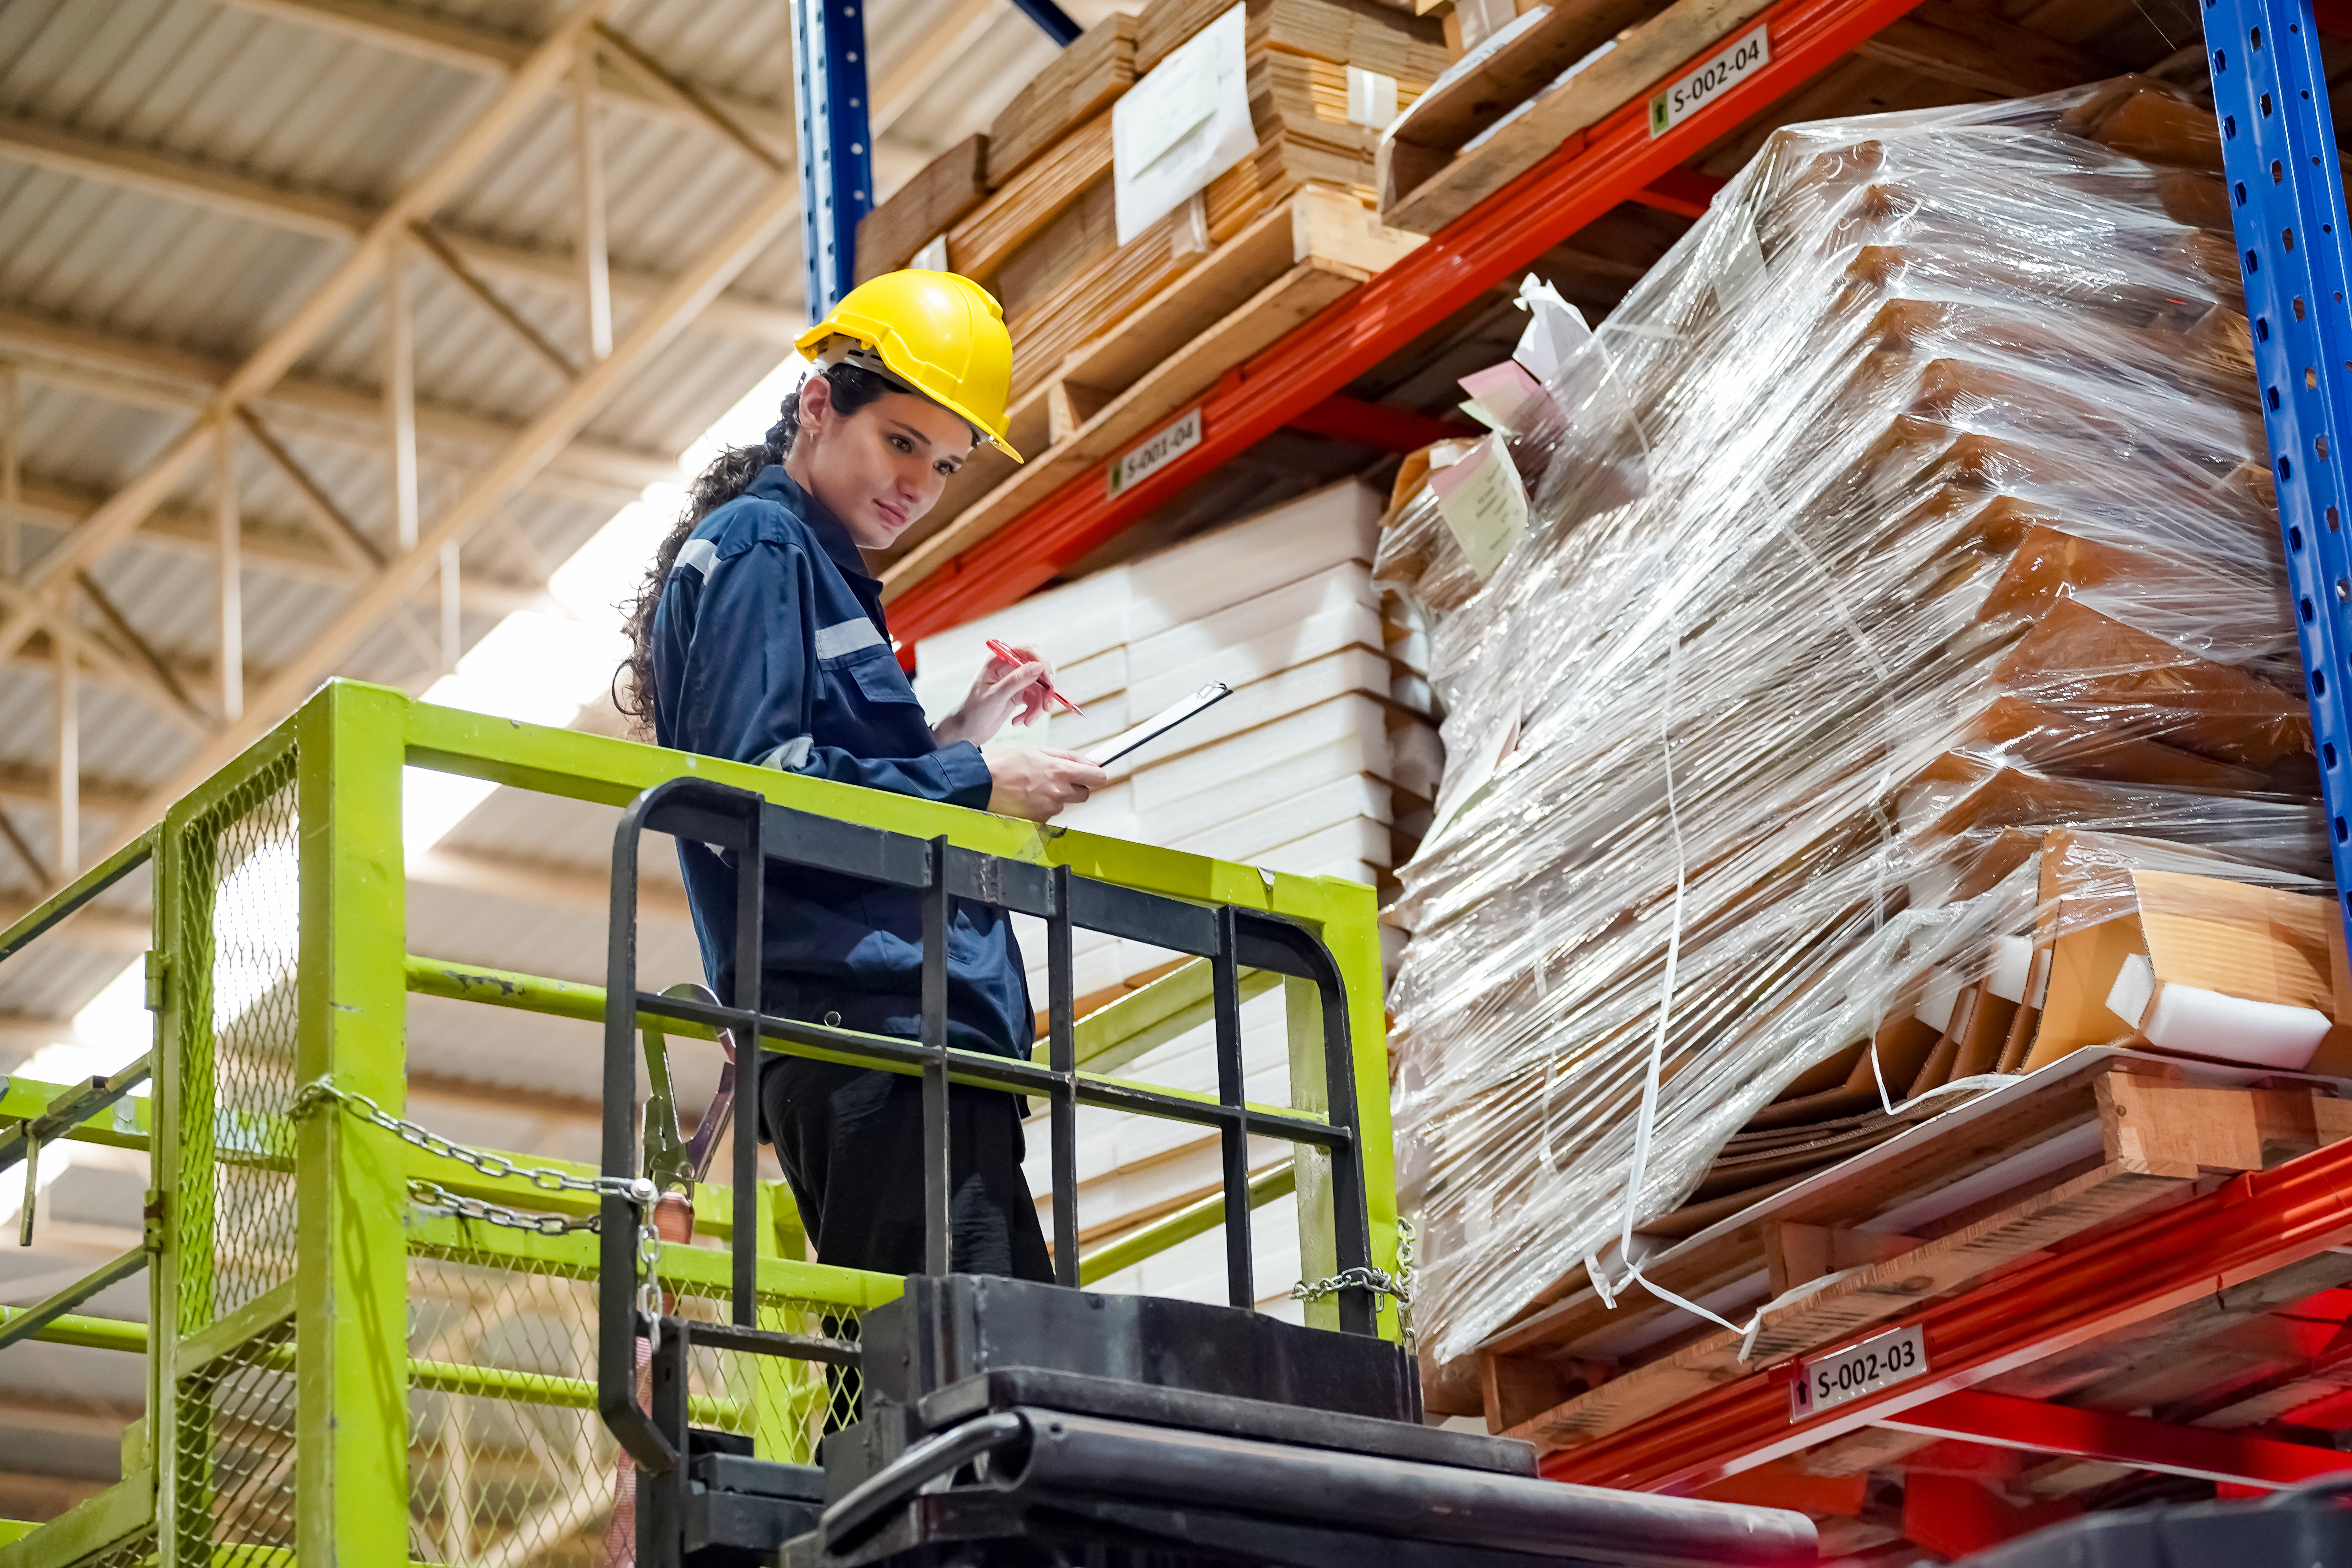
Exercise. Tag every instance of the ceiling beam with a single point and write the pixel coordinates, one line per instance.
(21, 784)
(467, 47)
(272, 552)
(580, 889)
(756, 228)
(360, 271)
(149, 376)
(326, 216)
(177, 177)
(91, 926)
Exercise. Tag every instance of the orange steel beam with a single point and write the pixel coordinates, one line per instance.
(2008, 1421)
(1377, 425)
(2259, 1223)
(1592, 172)
(1684, 192)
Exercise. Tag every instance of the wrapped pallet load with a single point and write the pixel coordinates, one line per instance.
(1868, 673)
(1321, 763)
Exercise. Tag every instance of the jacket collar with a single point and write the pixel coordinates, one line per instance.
(774, 484)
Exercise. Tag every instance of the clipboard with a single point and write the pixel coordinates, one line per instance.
(1159, 724)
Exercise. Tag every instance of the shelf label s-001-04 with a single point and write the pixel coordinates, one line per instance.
(1857, 1370)
(1155, 450)
(1743, 57)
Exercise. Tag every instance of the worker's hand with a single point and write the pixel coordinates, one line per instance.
(1004, 689)
(1037, 784)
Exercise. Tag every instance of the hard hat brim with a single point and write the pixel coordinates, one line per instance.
(906, 376)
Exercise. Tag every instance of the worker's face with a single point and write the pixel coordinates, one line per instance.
(880, 469)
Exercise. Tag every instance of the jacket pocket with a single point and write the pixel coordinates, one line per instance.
(877, 675)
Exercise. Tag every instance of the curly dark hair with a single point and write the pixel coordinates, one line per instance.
(729, 475)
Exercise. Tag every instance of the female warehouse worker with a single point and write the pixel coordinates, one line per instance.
(759, 637)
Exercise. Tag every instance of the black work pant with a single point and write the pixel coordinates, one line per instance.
(851, 1143)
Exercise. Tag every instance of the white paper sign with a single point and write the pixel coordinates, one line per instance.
(1483, 504)
(1156, 450)
(1556, 331)
(1182, 126)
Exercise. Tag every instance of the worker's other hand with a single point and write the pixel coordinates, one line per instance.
(1004, 689)
(1037, 784)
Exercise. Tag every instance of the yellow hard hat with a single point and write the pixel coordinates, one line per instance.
(938, 334)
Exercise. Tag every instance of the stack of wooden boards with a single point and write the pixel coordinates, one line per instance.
(1108, 339)
(1321, 764)
(1892, 689)
(1957, 1199)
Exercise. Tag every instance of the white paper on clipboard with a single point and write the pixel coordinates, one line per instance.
(1159, 724)
(1186, 123)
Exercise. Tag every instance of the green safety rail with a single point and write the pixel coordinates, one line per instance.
(340, 1372)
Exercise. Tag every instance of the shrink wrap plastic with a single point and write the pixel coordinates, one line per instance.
(1912, 508)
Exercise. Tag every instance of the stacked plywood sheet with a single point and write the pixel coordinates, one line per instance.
(1318, 764)
(1891, 690)
(1109, 339)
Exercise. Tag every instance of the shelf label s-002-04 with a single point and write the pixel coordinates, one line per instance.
(1857, 1370)
(1742, 57)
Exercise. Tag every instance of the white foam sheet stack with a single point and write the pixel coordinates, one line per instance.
(1313, 766)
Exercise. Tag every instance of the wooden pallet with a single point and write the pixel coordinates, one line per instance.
(1112, 392)
(2033, 1165)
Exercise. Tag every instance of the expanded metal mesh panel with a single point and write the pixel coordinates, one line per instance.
(138, 1552)
(509, 1462)
(243, 889)
(235, 1429)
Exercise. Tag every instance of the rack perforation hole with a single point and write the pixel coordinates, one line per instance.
(2319, 685)
(2294, 537)
(2270, 395)
(2332, 526)
(2304, 604)
(2230, 126)
(2340, 830)
(2263, 323)
(2287, 471)
(2267, 105)
(2327, 751)
(2287, 234)
(2343, 590)
(2278, 172)
(2298, 300)
(2319, 446)
(2310, 379)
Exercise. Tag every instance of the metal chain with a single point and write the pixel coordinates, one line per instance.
(1397, 1286)
(636, 1190)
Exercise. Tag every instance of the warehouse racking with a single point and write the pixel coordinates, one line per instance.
(2175, 1283)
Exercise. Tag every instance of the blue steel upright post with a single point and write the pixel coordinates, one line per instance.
(837, 143)
(2286, 203)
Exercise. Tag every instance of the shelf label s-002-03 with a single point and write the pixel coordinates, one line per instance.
(1743, 57)
(1857, 1370)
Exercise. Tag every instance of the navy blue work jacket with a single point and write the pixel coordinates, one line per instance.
(768, 647)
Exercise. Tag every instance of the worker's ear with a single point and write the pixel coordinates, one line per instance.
(816, 406)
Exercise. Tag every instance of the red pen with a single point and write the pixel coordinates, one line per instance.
(1001, 651)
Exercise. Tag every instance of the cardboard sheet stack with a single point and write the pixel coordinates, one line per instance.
(1314, 765)
(1031, 209)
(1892, 686)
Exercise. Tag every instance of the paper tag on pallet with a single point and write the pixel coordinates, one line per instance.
(1483, 505)
(1182, 126)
